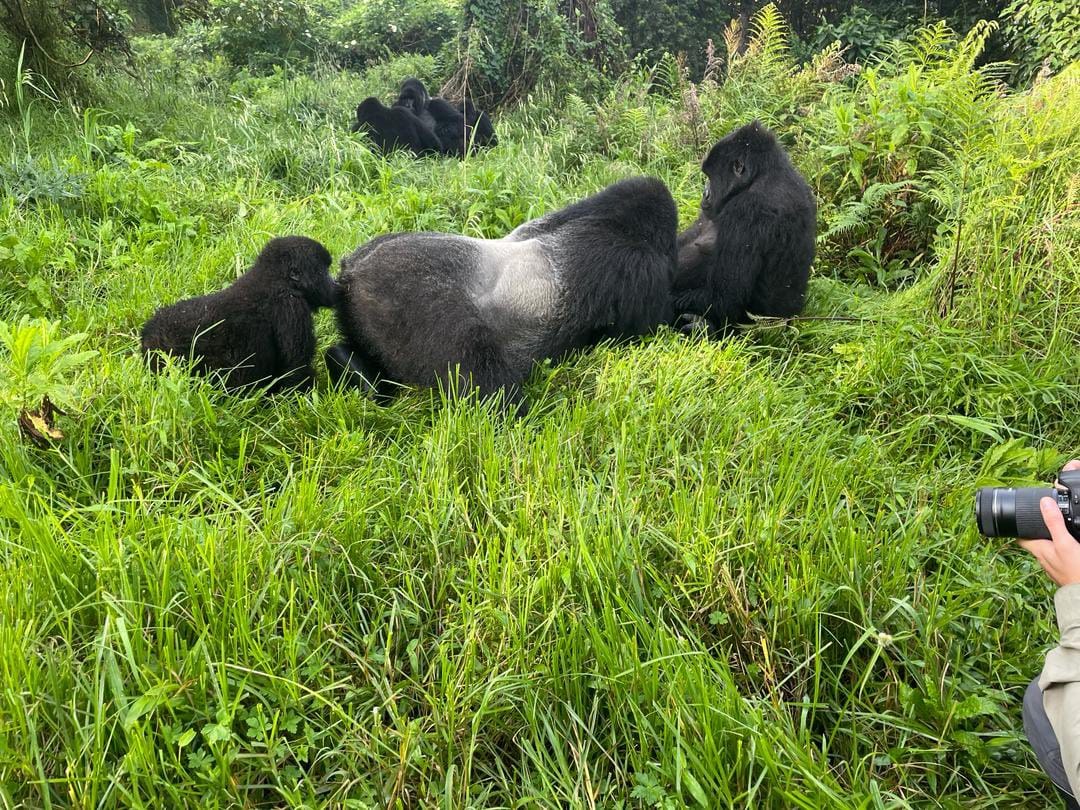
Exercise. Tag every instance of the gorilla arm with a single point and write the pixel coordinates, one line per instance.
(429, 142)
(696, 244)
(719, 287)
(294, 338)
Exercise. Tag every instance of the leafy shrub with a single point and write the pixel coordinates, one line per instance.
(260, 34)
(36, 362)
(675, 27)
(31, 181)
(1042, 31)
(367, 32)
(862, 31)
(56, 38)
(512, 47)
(876, 143)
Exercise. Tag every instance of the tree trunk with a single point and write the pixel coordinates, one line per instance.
(746, 11)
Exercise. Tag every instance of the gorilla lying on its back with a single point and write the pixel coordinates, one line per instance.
(395, 128)
(432, 308)
(258, 330)
(751, 247)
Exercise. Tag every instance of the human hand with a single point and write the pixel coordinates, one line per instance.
(1059, 556)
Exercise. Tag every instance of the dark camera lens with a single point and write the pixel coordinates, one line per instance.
(1003, 512)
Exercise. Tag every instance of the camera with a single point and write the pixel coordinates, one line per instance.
(1004, 512)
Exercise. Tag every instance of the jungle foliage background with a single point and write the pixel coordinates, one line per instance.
(740, 573)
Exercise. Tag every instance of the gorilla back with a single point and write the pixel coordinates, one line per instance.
(394, 128)
(430, 308)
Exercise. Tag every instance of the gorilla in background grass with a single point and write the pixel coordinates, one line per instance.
(413, 96)
(258, 330)
(751, 247)
(395, 127)
(480, 131)
(457, 128)
(429, 309)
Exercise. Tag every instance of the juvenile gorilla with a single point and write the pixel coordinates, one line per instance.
(752, 244)
(432, 308)
(258, 330)
(395, 127)
(413, 96)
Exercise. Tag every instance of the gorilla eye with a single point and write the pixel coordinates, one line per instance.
(738, 167)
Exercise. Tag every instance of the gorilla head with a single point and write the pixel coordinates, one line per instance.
(735, 162)
(259, 329)
(413, 96)
(394, 128)
(751, 247)
(300, 265)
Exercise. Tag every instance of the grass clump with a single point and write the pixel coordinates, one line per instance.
(697, 574)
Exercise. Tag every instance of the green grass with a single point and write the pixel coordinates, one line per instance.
(737, 574)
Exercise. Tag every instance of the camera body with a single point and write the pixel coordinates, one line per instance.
(1005, 512)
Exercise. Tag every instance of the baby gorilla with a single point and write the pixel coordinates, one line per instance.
(258, 331)
(752, 244)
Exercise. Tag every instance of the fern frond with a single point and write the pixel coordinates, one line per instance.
(769, 35)
(732, 38)
(856, 215)
(972, 46)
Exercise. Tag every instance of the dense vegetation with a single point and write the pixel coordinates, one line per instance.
(741, 573)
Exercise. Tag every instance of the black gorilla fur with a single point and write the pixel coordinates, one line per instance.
(413, 96)
(431, 308)
(751, 247)
(395, 128)
(457, 128)
(480, 131)
(449, 126)
(258, 330)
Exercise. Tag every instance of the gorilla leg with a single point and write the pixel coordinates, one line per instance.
(778, 298)
(351, 369)
(486, 370)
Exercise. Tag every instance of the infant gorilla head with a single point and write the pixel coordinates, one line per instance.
(258, 331)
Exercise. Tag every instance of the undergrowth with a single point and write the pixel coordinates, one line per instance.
(731, 574)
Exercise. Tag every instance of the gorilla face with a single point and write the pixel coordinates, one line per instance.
(413, 96)
(733, 164)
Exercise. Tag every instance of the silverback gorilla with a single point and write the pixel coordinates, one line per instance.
(395, 128)
(752, 244)
(258, 330)
(431, 309)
